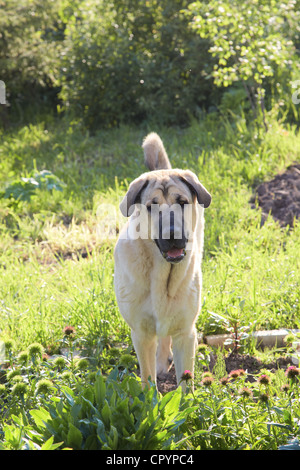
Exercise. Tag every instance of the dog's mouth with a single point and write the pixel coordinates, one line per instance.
(173, 254)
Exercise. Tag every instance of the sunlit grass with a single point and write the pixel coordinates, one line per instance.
(52, 249)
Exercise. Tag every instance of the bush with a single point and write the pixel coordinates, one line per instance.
(254, 44)
(114, 413)
(133, 61)
(31, 32)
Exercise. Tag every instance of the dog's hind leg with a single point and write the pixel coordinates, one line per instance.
(145, 348)
(163, 355)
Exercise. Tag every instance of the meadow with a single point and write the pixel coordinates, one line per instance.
(56, 271)
(57, 266)
(82, 82)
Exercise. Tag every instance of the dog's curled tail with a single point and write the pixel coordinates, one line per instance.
(156, 157)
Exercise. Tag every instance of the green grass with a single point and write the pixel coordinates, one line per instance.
(37, 301)
(57, 270)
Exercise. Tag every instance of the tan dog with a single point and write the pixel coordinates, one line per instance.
(158, 263)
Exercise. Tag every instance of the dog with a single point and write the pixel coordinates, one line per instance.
(158, 256)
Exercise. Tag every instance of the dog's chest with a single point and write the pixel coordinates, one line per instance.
(175, 301)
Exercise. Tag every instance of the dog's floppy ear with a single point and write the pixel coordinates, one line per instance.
(133, 194)
(196, 187)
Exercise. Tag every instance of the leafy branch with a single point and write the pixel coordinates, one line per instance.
(249, 40)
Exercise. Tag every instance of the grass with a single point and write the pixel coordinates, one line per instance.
(56, 268)
(39, 300)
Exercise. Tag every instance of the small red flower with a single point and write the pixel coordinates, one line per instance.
(207, 381)
(292, 372)
(234, 374)
(187, 375)
(69, 331)
(224, 381)
(264, 379)
(246, 392)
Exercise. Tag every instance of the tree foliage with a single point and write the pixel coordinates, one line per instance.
(252, 41)
(134, 60)
(30, 35)
(118, 61)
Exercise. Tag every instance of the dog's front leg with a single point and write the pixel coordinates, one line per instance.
(164, 356)
(184, 348)
(145, 348)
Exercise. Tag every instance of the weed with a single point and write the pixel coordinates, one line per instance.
(55, 402)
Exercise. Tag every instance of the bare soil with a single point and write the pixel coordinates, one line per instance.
(280, 197)
(251, 364)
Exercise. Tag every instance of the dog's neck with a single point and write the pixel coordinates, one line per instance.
(171, 276)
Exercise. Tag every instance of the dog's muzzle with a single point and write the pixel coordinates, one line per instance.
(170, 235)
(172, 254)
(172, 248)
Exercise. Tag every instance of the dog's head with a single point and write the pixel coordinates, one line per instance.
(166, 202)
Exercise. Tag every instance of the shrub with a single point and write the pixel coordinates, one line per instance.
(112, 411)
(131, 61)
(30, 35)
(254, 43)
(23, 189)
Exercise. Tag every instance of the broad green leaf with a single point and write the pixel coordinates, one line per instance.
(49, 445)
(106, 414)
(74, 437)
(291, 445)
(40, 416)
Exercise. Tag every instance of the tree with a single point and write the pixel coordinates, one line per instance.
(131, 61)
(249, 39)
(30, 34)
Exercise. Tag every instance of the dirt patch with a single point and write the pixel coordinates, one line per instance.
(167, 382)
(251, 364)
(280, 197)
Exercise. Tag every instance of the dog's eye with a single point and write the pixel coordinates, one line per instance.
(182, 202)
(150, 205)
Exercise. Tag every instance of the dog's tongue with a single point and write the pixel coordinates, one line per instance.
(175, 252)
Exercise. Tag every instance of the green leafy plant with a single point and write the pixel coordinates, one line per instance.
(140, 59)
(111, 414)
(250, 41)
(231, 323)
(29, 44)
(24, 188)
(50, 403)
